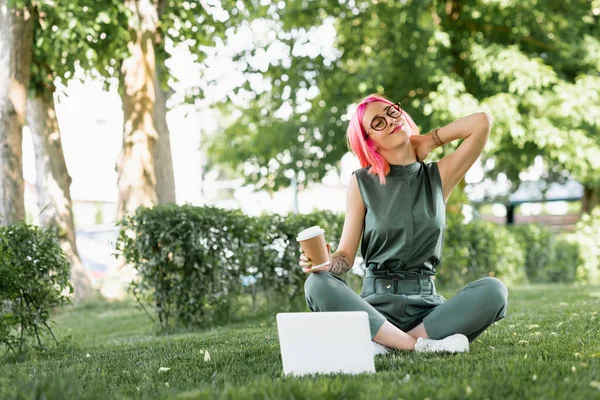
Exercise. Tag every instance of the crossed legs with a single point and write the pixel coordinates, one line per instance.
(470, 312)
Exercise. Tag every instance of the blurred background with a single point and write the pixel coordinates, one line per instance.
(106, 106)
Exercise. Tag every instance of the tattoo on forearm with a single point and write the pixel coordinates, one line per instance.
(339, 264)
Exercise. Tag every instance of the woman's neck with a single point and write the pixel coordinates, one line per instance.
(403, 155)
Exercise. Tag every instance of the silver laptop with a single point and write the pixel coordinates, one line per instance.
(325, 342)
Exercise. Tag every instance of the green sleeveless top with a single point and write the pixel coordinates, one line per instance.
(403, 230)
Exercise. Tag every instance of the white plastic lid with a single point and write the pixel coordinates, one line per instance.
(309, 233)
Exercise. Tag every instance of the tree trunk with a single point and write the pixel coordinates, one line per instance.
(163, 162)
(135, 166)
(16, 41)
(591, 198)
(53, 186)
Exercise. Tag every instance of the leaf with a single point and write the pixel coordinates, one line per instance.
(103, 17)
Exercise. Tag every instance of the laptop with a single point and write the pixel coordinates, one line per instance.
(325, 343)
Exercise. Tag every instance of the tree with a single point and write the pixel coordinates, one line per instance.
(144, 165)
(163, 161)
(52, 184)
(537, 69)
(533, 66)
(135, 166)
(144, 81)
(16, 32)
(66, 35)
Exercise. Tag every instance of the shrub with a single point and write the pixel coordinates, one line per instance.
(538, 242)
(188, 260)
(453, 270)
(279, 275)
(479, 249)
(34, 274)
(586, 235)
(567, 258)
(196, 264)
(191, 260)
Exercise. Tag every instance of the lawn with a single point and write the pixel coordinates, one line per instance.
(548, 347)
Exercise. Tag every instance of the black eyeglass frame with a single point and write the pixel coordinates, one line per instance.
(390, 108)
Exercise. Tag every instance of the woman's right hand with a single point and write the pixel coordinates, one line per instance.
(306, 262)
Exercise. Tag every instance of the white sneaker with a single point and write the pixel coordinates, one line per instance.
(379, 349)
(457, 343)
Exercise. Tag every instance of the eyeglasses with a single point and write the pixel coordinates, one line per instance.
(379, 123)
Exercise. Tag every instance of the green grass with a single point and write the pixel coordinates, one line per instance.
(548, 347)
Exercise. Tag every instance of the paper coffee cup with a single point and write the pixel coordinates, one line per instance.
(312, 241)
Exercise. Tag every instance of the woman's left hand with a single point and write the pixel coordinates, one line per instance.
(423, 144)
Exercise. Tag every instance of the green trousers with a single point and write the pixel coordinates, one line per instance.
(408, 302)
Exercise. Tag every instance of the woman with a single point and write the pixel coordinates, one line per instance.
(395, 209)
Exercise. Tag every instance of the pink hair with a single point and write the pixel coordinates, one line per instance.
(365, 148)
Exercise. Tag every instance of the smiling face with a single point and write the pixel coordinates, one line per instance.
(385, 125)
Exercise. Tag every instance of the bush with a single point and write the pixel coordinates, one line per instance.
(34, 272)
(538, 243)
(191, 260)
(279, 275)
(196, 266)
(453, 270)
(188, 260)
(479, 249)
(548, 258)
(586, 236)
(567, 259)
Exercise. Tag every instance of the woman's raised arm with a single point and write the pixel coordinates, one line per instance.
(475, 129)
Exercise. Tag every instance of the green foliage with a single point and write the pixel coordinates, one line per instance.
(191, 260)
(548, 257)
(34, 273)
(188, 260)
(279, 276)
(196, 264)
(537, 242)
(587, 232)
(531, 65)
(88, 34)
(567, 259)
(93, 35)
(478, 249)
(198, 27)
